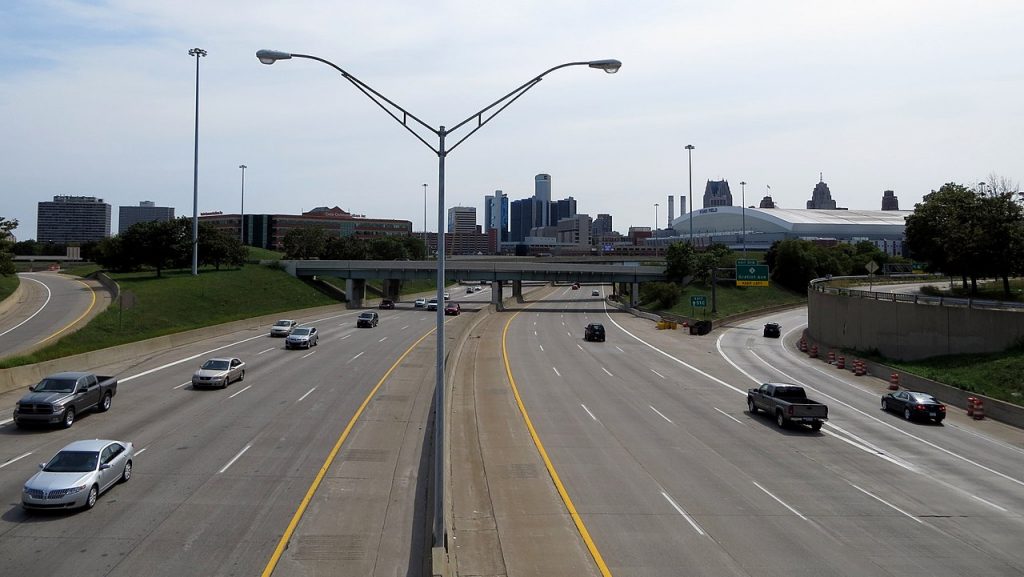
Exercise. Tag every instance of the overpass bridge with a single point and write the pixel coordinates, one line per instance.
(497, 272)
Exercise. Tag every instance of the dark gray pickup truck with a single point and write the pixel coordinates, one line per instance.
(59, 398)
(788, 404)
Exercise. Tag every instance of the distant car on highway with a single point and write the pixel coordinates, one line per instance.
(575, 286)
(282, 328)
(367, 319)
(420, 303)
(446, 295)
(219, 372)
(432, 304)
(77, 475)
(386, 304)
(595, 293)
(594, 332)
(914, 404)
(773, 330)
(470, 290)
(302, 338)
(452, 309)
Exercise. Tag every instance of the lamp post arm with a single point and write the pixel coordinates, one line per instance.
(380, 100)
(485, 115)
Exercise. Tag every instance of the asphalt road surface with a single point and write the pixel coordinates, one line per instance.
(50, 304)
(649, 434)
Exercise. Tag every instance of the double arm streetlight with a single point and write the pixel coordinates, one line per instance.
(198, 53)
(689, 199)
(743, 205)
(412, 123)
(241, 222)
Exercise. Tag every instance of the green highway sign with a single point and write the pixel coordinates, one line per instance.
(699, 301)
(751, 274)
(747, 262)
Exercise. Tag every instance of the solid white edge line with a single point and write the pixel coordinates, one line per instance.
(18, 458)
(306, 395)
(886, 503)
(49, 295)
(680, 510)
(6, 421)
(235, 458)
(556, 371)
(728, 415)
(240, 392)
(588, 411)
(781, 502)
(660, 414)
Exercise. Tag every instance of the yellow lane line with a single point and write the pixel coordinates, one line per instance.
(279, 550)
(547, 461)
(82, 316)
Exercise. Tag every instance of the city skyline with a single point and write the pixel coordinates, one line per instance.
(98, 101)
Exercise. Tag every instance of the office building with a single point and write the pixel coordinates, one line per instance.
(462, 219)
(496, 211)
(575, 230)
(717, 193)
(565, 208)
(147, 211)
(542, 194)
(268, 230)
(821, 198)
(522, 216)
(890, 201)
(73, 219)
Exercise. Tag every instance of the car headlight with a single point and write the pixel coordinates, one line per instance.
(77, 489)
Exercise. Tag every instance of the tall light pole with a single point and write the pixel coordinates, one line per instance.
(404, 117)
(426, 245)
(743, 205)
(689, 199)
(655, 220)
(241, 222)
(198, 53)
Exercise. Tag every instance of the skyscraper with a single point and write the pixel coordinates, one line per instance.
(496, 214)
(717, 193)
(462, 219)
(890, 201)
(73, 219)
(542, 194)
(565, 208)
(821, 198)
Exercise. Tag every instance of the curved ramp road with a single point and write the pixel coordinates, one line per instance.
(649, 436)
(50, 305)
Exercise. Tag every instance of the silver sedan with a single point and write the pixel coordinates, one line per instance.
(219, 373)
(78, 474)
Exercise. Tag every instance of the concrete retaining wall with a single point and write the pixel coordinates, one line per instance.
(23, 376)
(909, 331)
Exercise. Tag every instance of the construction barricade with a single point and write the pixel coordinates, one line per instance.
(841, 362)
(813, 352)
(858, 368)
(894, 381)
(979, 409)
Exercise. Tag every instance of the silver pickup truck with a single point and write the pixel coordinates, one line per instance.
(787, 404)
(59, 398)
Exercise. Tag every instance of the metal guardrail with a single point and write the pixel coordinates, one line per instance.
(821, 285)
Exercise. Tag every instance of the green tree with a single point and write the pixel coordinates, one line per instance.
(345, 248)
(713, 257)
(7, 227)
(305, 242)
(1003, 242)
(219, 247)
(660, 295)
(387, 248)
(679, 261)
(948, 232)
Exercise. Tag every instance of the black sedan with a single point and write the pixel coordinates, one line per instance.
(773, 330)
(912, 404)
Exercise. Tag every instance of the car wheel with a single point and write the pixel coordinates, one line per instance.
(127, 473)
(241, 377)
(816, 426)
(69, 417)
(94, 493)
(780, 419)
(751, 407)
(105, 402)
(224, 383)
(906, 414)
(885, 405)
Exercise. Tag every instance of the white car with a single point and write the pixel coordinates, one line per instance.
(219, 373)
(446, 296)
(77, 475)
(432, 304)
(282, 328)
(420, 303)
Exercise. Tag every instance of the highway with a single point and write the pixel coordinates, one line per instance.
(220, 474)
(670, 475)
(50, 304)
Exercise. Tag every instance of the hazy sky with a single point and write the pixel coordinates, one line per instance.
(97, 99)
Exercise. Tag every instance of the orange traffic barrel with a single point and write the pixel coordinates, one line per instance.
(894, 381)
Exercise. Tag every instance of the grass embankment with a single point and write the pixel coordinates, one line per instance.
(152, 307)
(7, 285)
(734, 300)
(996, 375)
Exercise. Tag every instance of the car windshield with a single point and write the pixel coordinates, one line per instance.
(282, 323)
(216, 365)
(55, 386)
(366, 316)
(300, 332)
(73, 462)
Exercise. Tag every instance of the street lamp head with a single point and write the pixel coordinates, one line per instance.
(197, 52)
(242, 166)
(690, 147)
(743, 183)
(610, 66)
(271, 56)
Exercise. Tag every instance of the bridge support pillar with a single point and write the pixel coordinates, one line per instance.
(355, 290)
(496, 289)
(517, 290)
(634, 295)
(392, 288)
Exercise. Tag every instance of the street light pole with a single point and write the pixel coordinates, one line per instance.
(241, 223)
(426, 245)
(689, 199)
(743, 204)
(655, 220)
(412, 123)
(198, 53)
